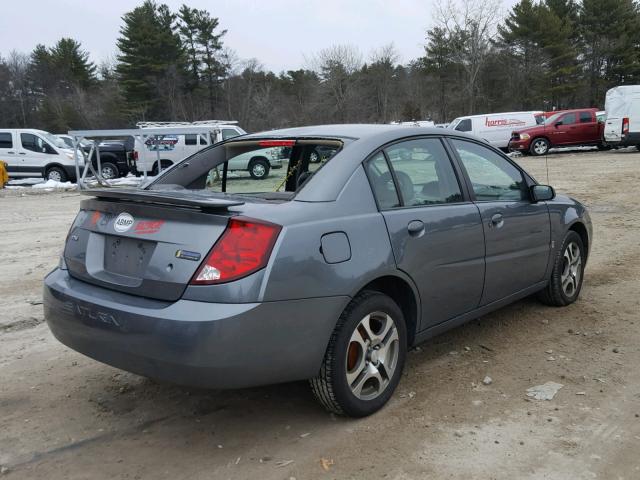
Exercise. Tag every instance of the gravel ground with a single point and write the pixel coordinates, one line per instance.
(64, 416)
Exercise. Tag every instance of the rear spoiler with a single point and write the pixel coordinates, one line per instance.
(179, 198)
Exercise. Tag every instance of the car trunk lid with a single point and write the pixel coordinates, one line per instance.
(144, 243)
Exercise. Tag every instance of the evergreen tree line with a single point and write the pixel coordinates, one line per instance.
(174, 66)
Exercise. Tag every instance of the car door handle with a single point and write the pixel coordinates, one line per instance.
(416, 228)
(11, 153)
(497, 220)
(22, 153)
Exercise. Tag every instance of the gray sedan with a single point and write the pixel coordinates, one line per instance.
(329, 273)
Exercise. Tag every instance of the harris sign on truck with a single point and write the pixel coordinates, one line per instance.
(495, 128)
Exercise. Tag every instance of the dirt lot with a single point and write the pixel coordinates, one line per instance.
(64, 416)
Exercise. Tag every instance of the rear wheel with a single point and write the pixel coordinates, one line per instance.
(539, 146)
(566, 277)
(365, 357)
(109, 171)
(259, 169)
(56, 174)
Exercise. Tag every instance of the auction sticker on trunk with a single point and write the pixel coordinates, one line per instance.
(123, 222)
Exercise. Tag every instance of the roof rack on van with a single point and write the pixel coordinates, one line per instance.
(202, 123)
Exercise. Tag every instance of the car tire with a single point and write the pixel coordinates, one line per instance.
(109, 171)
(539, 146)
(567, 274)
(259, 169)
(55, 173)
(353, 380)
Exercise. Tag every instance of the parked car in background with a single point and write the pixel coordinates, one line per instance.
(495, 128)
(115, 160)
(36, 153)
(174, 148)
(568, 128)
(331, 275)
(622, 126)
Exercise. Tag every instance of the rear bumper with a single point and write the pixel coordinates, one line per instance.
(628, 140)
(192, 343)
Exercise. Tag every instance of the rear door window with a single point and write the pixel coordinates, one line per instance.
(6, 140)
(382, 183)
(190, 139)
(423, 172)
(586, 117)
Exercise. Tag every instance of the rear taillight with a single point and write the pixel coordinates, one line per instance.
(243, 248)
(625, 125)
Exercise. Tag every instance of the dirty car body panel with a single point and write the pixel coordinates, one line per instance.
(127, 291)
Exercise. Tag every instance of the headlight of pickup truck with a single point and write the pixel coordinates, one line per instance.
(525, 136)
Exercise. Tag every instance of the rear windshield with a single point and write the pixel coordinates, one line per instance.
(267, 168)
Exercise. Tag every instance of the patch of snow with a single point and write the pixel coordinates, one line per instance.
(25, 181)
(53, 185)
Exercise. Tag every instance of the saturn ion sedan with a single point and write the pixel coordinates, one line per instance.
(328, 273)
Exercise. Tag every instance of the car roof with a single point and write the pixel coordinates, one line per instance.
(357, 131)
(361, 140)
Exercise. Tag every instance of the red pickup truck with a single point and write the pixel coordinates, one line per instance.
(563, 129)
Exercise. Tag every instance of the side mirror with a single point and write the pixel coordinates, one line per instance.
(542, 193)
(557, 124)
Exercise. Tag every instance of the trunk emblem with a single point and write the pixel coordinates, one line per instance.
(187, 255)
(123, 222)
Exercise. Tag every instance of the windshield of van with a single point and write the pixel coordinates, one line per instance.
(58, 142)
(269, 168)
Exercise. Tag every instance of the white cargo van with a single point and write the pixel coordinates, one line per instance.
(622, 106)
(36, 153)
(495, 128)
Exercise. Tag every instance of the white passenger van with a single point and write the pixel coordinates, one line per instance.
(36, 153)
(622, 107)
(495, 128)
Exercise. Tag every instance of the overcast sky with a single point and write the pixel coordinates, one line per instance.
(279, 33)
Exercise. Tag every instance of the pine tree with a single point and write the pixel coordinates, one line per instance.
(72, 65)
(151, 56)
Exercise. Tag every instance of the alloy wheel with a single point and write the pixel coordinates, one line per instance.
(571, 269)
(540, 147)
(372, 355)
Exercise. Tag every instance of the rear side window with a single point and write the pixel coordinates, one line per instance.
(382, 182)
(6, 140)
(464, 125)
(585, 117)
(423, 172)
(203, 140)
(190, 139)
(492, 177)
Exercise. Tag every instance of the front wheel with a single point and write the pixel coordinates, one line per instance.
(56, 174)
(365, 357)
(539, 146)
(566, 277)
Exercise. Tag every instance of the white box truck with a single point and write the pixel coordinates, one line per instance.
(495, 128)
(622, 106)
